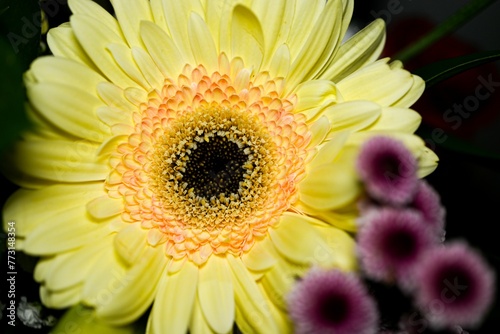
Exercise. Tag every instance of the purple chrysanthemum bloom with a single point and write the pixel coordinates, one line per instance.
(332, 302)
(427, 201)
(391, 241)
(453, 286)
(388, 170)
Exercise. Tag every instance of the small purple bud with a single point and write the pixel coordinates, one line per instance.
(388, 170)
(332, 302)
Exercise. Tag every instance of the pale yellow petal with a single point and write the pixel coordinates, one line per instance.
(252, 311)
(297, 28)
(323, 36)
(58, 70)
(95, 36)
(259, 258)
(376, 82)
(198, 323)
(397, 119)
(341, 250)
(130, 300)
(319, 130)
(108, 275)
(63, 43)
(105, 207)
(361, 49)
(280, 316)
(112, 116)
(295, 238)
(280, 63)
(174, 301)
(65, 230)
(177, 16)
(70, 109)
(330, 186)
(415, 92)
(352, 116)
(215, 294)
(202, 43)
(62, 161)
(122, 55)
(129, 15)
(162, 49)
(114, 96)
(91, 8)
(247, 38)
(66, 196)
(149, 69)
(329, 151)
(74, 267)
(130, 243)
(313, 96)
(62, 298)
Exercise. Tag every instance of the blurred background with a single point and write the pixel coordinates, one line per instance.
(464, 109)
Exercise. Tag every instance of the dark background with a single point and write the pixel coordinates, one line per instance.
(469, 186)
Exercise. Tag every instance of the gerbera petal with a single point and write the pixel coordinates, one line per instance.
(104, 207)
(202, 43)
(270, 14)
(56, 235)
(319, 130)
(112, 116)
(149, 69)
(280, 63)
(91, 8)
(62, 298)
(397, 119)
(329, 151)
(176, 16)
(215, 294)
(361, 49)
(313, 96)
(308, 63)
(70, 109)
(329, 186)
(279, 315)
(376, 82)
(247, 38)
(352, 116)
(66, 196)
(137, 292)
(123, 57)
(198, 323)
(341, 251)
(260, 257)
(61, 274)
(63, 43)
(304, 16)
(114, 96)
(174, 301)
(129, 16)
(159, 44)
(94, 36)
(129, 243)
(416, 90)
(57, 70)
(293, 227)
(251, 306)
(61, 160)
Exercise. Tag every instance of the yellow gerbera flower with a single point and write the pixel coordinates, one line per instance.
(197, 155)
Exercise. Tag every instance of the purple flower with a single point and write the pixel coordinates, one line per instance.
(428, 203)
(332, 302)
(390, 243)
(388, 170)
(453, 286)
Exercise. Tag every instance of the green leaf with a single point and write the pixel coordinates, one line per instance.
(451, 24)
(444, 69)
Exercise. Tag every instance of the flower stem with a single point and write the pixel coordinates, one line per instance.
(464, 14)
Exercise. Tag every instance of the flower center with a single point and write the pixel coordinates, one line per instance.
(215, 166)
(212, 161)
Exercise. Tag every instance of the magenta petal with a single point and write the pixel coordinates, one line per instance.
(388, 170)
(391, 242)
(332, 302)
(454, 286)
